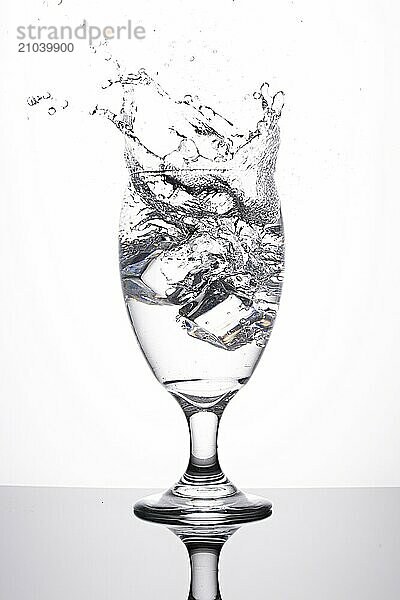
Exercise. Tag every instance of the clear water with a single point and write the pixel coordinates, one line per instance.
(201, 237)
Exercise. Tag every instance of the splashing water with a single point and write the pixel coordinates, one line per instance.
(47, 100)
(201, 226)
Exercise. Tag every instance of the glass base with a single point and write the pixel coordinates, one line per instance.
(173, 508)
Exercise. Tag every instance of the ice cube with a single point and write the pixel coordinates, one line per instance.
(228, 324)
(187, 266)
(169, 268)
(224, 317)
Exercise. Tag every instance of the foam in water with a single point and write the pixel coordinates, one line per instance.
(201, 226)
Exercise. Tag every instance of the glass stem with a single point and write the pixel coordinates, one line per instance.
(203, 464)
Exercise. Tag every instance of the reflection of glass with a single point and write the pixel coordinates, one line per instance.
(201, 259)
(204, 545)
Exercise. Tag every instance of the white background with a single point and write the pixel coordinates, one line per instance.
(79, 405)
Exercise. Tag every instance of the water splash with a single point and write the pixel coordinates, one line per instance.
(50, 3)
(201, 225)
(35, 100)
(49, 101)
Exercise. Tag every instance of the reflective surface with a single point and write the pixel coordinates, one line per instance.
(75, 544)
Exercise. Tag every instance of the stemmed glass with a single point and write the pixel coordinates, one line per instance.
(201, 262)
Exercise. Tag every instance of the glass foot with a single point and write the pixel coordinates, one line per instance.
(209, 507)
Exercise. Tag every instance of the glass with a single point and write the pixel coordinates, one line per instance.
(201, 262)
